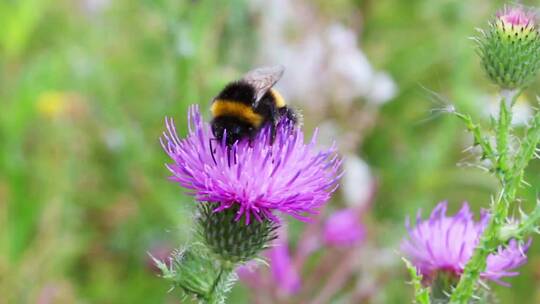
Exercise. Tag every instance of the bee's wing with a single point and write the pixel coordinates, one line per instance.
(263, 79)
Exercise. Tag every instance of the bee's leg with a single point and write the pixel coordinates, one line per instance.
(251, 138)
(234, 155)
(229, 156)
(290, 114)
(276, 116)
(273, 131)
(212, 149)
(233, 151)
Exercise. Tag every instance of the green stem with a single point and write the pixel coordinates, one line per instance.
(527, 150)
(510, 181)
(221, 285)
(526, 226)
(213, 296)
(421, 294)
(487, 244)
(503, 133)
(487, 149)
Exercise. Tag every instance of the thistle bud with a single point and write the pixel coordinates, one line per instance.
(510, 48)
(233, 240)
(191, 270)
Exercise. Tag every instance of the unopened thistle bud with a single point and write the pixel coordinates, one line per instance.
(231, 240)
(191, 270)
(510, 48)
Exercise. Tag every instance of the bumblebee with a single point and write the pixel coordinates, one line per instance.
(245, 106)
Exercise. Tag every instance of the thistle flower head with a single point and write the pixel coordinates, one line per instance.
(260, 176)
(190, 269)
(444, 244)
(510, 48)
(233, 242)
(516, 18)
(344, 228)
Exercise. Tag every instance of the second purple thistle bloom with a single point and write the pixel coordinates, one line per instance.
(260, 175)
(445, 244)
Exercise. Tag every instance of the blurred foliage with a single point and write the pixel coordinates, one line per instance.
(84, 89)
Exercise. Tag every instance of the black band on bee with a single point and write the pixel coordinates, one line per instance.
(238, 91)
(245, 106)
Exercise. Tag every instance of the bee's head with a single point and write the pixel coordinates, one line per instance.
(235, 128)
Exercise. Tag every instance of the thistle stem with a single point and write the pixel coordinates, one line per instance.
(213, 289)
(217, 294)
(510, 177)
(487, 244)
(502, 137)
(421, 293)
(488, 152)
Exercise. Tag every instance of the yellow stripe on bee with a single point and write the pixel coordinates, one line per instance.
(280, 101)
(233, 108)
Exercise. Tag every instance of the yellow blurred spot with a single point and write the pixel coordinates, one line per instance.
(522, 99)
(51, 104)
(55, 104)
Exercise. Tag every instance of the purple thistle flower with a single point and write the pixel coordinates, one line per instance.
(445, 244)
(284, 271)
(516, 16)
(285, 274)
(344, 228)
(258, 175)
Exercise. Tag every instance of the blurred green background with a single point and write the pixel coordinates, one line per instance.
(84, 89)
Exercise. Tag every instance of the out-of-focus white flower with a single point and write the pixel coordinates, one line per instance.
(303, 73)
(114, 140)
(357, 182)
(184, 41)
(384, 88)
(521, 110)
(324, 61)
(329, 132)
(349, 68)
(95, 6)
